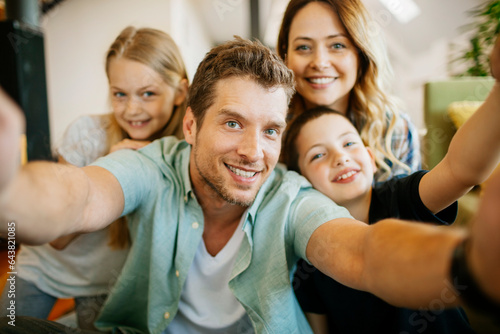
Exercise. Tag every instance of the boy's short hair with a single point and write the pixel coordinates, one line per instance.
(289, 154)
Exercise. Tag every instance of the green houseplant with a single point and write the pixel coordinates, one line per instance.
(483, 29)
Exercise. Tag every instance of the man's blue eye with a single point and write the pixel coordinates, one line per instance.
(232, 124)
(271, 132)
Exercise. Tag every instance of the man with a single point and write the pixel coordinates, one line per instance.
(217, 227)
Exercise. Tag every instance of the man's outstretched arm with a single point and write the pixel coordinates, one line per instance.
(405, 264)
(47, 200)
(409, 265)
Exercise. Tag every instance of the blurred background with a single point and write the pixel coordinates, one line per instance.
(77, 33)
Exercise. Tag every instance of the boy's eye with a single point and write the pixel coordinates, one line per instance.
(148, 94)
(317, 156)
(119, 94)
(349, 144)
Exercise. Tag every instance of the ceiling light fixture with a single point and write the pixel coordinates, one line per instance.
(403, 10)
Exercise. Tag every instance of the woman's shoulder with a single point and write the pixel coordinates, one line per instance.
(403, 118)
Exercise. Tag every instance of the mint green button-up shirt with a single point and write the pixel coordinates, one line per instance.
(166, 226)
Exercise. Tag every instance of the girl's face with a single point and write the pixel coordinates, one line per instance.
(334, 159)
(322, 56)
(141, 100)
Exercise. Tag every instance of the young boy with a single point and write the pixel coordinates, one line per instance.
(325, 147)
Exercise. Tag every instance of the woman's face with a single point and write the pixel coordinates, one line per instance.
(141, 100)
(322, 56)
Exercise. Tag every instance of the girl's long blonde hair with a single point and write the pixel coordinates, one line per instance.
(157, 50)
(373, 111)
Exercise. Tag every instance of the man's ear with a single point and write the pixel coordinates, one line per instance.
(181, 92)
(189, 126)
(372, 158)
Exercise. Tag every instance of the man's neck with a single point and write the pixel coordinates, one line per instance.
(219, 225)
(220, 219)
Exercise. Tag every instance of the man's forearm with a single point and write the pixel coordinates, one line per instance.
(46, 200)
(407, 264)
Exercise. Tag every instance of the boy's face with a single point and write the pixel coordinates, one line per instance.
(334, 159)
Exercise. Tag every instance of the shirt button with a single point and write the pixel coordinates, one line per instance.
(166, 315)
(177, 273)
(185, 198)
(195, 225)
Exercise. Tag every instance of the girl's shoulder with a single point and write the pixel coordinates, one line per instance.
(84, 140)
(89, 122)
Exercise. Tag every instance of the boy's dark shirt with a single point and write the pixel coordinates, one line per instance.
(354, 311)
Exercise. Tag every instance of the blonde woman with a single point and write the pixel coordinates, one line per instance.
(148, 86)
(339, 63)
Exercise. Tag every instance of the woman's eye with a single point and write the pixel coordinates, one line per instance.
(119, 94)
(338, 46)
(148, 94)
(302, 48)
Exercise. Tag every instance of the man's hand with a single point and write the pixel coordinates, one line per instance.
(485, 251)
(11, 128)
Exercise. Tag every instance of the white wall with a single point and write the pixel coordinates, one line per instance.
(77, 36)
(78, 33)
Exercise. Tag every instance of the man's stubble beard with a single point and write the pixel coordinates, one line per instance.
(217, 185)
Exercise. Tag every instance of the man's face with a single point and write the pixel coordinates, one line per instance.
(239, 142)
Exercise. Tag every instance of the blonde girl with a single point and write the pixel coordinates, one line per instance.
(148, 86)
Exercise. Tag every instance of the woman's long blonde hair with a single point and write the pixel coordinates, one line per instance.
(373, 111)
(157, 50)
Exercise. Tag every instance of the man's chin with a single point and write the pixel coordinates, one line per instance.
(241, 200)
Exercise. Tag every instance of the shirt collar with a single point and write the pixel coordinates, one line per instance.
(184, 172)
(252, 210)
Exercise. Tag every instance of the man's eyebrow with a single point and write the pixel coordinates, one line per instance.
(278, 124)
(230, 112)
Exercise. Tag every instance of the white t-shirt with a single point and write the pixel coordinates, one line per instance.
(207, 305)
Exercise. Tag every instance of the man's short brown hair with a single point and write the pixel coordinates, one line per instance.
(237, 58)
